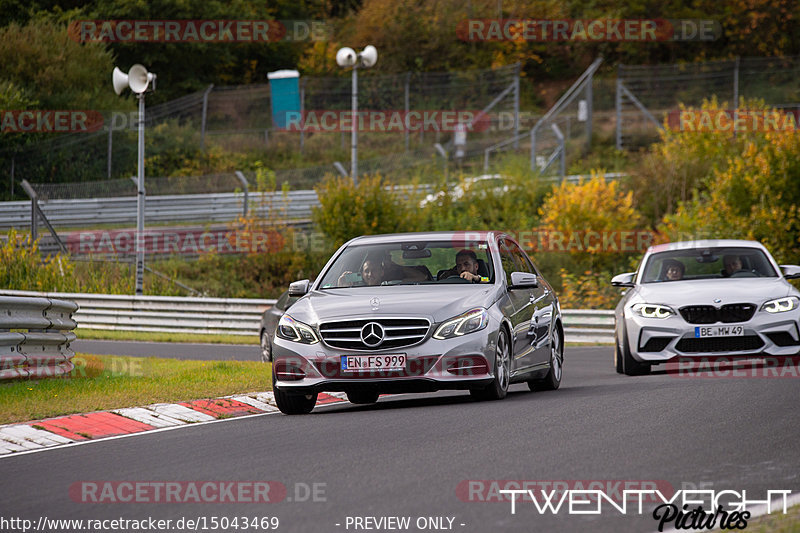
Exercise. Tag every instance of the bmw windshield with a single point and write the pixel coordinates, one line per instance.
(708, 263)
(410, 263)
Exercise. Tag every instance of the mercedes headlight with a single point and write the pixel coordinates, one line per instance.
(470, 322)
(291, 330)
(781, 305)
(653, 310)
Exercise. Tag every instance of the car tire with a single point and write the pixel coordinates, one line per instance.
(618, 357)
(362, 397)
(498, 388)
(553, 378)
(630, 366)
(291, 403)
(266, 348)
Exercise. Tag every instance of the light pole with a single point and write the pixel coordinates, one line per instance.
(137, 79)
(347, 57)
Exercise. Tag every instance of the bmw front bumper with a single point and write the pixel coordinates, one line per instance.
(654, 340)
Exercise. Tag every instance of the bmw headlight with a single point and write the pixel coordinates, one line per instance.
(781, 305)
(470, 322)
(291, 330)
(653, 310)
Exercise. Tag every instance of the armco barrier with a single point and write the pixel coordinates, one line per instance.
(595, 326)
(172, 314)
(241, 316)
(39, 344)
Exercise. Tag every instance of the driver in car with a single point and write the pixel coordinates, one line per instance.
(733, 264)
(466, 268)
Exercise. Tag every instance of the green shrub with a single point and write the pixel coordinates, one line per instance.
(369, 208)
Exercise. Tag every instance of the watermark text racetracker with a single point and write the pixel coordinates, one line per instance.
(50, 121)
(198, 31)
(207, 492)
(175, 242)
(734, 120)
(726, 367)
(591, 30)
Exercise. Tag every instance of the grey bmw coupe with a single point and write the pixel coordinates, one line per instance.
(419, 312)
(705, 298)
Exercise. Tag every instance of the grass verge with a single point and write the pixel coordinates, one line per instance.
(159, 336)
(103, 382)
(776, 522)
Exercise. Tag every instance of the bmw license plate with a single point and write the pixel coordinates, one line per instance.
(355, 363)
(718, 331)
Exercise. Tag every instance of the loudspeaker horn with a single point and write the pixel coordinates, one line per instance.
(138, 79)
(120, 80)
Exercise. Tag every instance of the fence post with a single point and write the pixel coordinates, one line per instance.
(34, 213)
(618, 106)
(203, 119)
(246, 191)
(302, 109)
(736, 83)
(516, 105)
(562, 148)
(406, 105)
(589, 105)
(12, 178)
(110, 137)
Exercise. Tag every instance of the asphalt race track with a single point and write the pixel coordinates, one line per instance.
(415, 455)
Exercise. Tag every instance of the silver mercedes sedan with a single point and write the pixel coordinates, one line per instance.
(419, 312)
(705, 298)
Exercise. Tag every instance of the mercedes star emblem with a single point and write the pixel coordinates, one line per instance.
(375, 303)
(372, 334)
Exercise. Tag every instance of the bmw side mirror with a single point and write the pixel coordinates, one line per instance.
(521, 280)
(299, 288)
(623, 280)
(790, 271)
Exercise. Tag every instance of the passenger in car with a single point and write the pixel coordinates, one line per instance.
(378, 268)
(372, 272)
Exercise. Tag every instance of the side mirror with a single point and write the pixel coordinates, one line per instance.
(299, 288)
(790, 271)
(623, 280)
(521, 280)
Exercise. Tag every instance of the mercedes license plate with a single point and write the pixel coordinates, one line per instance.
(355, 363)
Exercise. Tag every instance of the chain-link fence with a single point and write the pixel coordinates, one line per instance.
(239, 120)
(645, 95)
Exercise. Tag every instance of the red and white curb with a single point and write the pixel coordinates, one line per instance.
(41, 434)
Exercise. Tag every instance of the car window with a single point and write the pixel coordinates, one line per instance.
(708, 263)
(520, 259)
(507, 260)
(403, 263)
(282, 299)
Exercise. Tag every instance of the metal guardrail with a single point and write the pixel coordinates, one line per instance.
(38, 346)
(242, 316)
(170, 314)
(218, 207)
(593, 326)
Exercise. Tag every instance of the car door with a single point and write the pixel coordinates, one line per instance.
(521, 348)
(543, 303)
